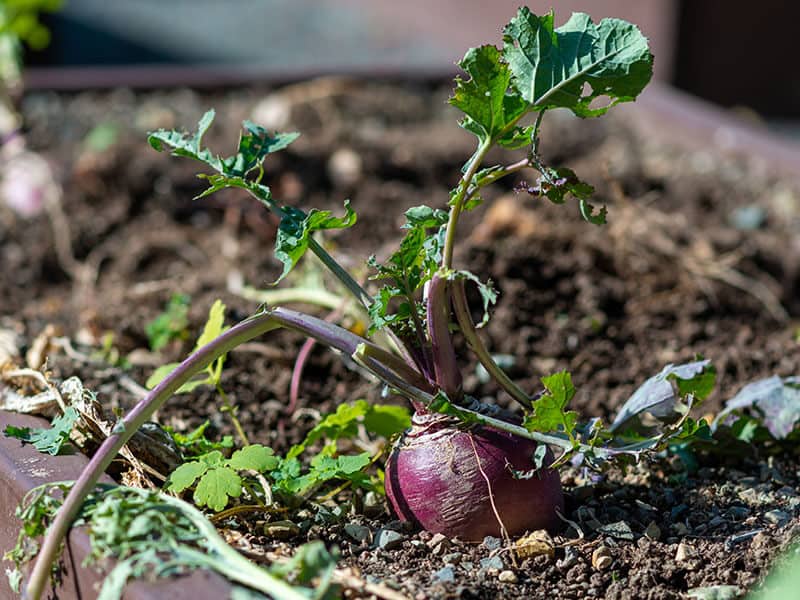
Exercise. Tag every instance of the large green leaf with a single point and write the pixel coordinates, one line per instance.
(550, 67)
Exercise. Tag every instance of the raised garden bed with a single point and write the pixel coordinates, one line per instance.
(699, 257)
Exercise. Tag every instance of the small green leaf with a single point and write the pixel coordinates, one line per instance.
(169, 325)
(550, 67)
(254, 457)
(254, 144)
(296, 227)
(185, 476)
(214, 326)
(188, 145)
(386, 421)
(49, 440)
(549, 411)
(485, 99)
(216, 487)
(486, 290)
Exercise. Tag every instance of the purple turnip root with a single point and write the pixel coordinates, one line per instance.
(459, 482)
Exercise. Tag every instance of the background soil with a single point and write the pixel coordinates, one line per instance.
(701, 256)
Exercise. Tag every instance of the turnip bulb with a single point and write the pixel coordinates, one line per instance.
(461, 483)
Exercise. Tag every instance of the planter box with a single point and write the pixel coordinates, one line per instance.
(23, 468)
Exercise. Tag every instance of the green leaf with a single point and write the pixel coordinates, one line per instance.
(254, 144)
(550, 67)
(216, 487)
(484, 98)
(214, 326)
(296, 227)
(188, 145)
(386, 420)
(169, 325)
(48, 440)
(549, 411)
(185, 476)
(254, 457)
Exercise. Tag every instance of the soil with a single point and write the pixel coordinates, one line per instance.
(701, 256)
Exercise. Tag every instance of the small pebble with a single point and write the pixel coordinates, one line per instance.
(684, 552)
(777, 517)
(601, 558)
(507, 577)
(453, 558)
(344, 167)
(492, 543)
(619, 530)
(653, 531)
(360, 533)
(436, 540)
(389, 540)
(493, 562)
(445, 575)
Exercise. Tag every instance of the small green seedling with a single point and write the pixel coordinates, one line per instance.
(170, 325)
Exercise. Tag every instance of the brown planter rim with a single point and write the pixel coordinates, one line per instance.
(22, 468)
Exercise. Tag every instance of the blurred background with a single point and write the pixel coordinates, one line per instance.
(738, 57)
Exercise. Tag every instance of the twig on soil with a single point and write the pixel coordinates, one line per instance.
(349, 580)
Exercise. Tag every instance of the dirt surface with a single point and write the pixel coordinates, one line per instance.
(701, 256)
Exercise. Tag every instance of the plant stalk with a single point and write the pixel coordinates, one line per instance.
(144, 409)
(457, 203)
(448, 375)
(394, 369)
(477, 346)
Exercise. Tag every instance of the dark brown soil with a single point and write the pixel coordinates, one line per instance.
(675, 273)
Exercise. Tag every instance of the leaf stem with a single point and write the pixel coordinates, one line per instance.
(457, 203)
(476, 344)
(231, 410)
(445, 365)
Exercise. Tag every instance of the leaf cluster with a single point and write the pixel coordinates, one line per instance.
(218, 480)
(244, 170)
(48, 440)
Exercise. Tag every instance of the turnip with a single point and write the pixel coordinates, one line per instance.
(464, 469)
(461, 482)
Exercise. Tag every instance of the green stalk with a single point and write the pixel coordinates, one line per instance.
(457, 203)
(477, 346)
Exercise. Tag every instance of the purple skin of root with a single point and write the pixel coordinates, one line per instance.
(460, 482)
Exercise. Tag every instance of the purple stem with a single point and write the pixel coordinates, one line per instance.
(385, 365)
(448, 376)
(297, 374)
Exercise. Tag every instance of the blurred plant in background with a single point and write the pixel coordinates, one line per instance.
(27, 184)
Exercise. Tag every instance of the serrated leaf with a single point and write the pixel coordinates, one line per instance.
(254, 144)
(489, 106)
(216, 487)
(296, 227)
(185, 476)
(188, 145)
(550, 67)
(254, 457)
(49, 440)
(657, 395)
(549, 410)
